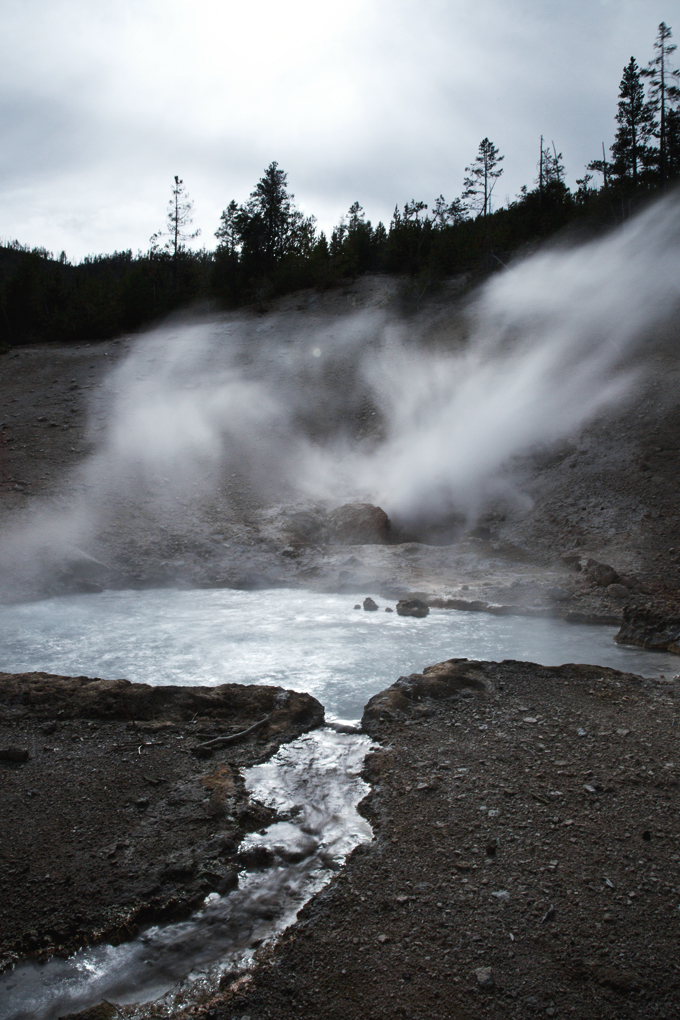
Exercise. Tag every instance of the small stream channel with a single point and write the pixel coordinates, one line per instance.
(301, 640)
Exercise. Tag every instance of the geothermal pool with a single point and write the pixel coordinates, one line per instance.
(302, 640)
(306, 641)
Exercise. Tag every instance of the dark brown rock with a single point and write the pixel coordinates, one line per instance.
(649, 628)
(601, 573)
(412, 607)
(358, 524)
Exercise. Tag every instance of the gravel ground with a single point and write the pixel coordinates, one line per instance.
(526, 858)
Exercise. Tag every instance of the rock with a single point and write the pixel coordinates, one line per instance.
(647, 628)
(617, 591)
(484, 977)
(357, 606)
(14, 754)
(358, 524)
(558, 594)
(256, 857)
(601, 573)
(369, 605)
(388, 610)
(412, 607)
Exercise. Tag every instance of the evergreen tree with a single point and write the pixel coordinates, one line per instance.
(179, 216)
(482, 176)
(228, 233)
(663, 90)
(635, 117)
(550, 169)
(673, 143)
(601, 166)
(447, 214)
(270, 225)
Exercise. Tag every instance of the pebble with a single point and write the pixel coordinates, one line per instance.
(484, 977)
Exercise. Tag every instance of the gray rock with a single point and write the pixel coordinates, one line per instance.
(484, 977)
(618, 591)
(369, 605)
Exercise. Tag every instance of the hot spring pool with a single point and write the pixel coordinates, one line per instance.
(301, 640)
(306, 641)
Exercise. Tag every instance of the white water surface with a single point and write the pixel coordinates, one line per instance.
(296, 639)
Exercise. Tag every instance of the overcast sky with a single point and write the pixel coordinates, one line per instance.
(378, 101)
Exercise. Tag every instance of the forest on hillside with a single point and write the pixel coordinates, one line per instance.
(267, 247)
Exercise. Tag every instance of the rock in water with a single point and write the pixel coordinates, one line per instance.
(358, 524)
(412, 607)
(649, 628)
(369, 605)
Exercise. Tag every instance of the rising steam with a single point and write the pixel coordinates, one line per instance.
(273, 406)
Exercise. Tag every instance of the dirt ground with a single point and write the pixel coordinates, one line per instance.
(526, 858)
(110, 820)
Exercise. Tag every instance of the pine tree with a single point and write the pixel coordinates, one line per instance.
(272, 220)
(482, 176)
(662, 90)
(550, 169)
(228, 232)
(447, 214)
(635, 118)
(179, 216)
(673, 143)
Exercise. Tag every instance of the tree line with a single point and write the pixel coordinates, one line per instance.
(267, 246)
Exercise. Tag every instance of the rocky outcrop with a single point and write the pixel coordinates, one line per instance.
(358, 524)
(443, 680)
(649, 628)
(43, 695)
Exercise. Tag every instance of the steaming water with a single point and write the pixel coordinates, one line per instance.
(319, 776)
(301, 640)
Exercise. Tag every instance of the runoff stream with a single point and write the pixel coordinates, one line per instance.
(301, 640)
